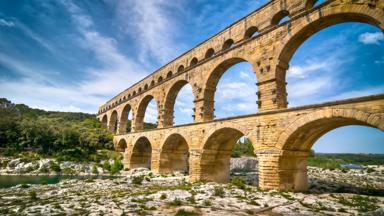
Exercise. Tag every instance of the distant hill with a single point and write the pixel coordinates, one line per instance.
(22, 127)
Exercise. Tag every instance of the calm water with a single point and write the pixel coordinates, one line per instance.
(10, 181)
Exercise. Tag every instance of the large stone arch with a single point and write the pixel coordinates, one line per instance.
(121, 145)
(140, 112)
(113, 122)
(170, 99)
(213, 79)
(297, 140)
(304, 27)
(104, 120)
(216, 154)
(174, 154)
(141, 155)
(124, 119)
(303, 132)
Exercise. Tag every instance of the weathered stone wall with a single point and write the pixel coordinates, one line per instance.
(281, 137)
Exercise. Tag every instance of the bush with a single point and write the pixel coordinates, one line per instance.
(44, 169)
(137, 179)
(116, 166)
(218, 191)
(55, 167)
(163, 196)
(32, 195)
(207, 203)
(176, 202)
(68, 171)
(183, 212)
(238, 182)
(107, 166)
(370, 170)
(94, 170)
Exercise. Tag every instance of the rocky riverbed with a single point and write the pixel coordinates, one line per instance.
(141, 192)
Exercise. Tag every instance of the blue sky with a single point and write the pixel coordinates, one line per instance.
(71, 55)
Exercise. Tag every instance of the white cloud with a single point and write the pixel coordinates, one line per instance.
(6, 23)
(371, 38)
(115, 72)
(151, 112)
(153, 27)
(244, 75)
(310, 87)
(302, 71)
(371, 90)
(234, 90)
(379, 61)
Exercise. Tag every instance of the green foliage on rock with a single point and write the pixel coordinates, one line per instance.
(116, 166)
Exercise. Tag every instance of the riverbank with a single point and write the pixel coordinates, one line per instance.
(141, 192)
(52, 167)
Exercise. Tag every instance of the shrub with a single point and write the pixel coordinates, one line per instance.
(68, 171)
(163, 196)
(107, 166)
(207, 203)
(24, 186)
(94, 170)
(370, 170)
(44, 169)
(137, 179)
(183, 212)
(116, 166)
(191, 199)
(55, 167)
(238, 182)
(176, 202)
(218, 191)
(32, 195)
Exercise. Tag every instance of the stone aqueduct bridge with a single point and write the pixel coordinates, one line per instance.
(281, 136)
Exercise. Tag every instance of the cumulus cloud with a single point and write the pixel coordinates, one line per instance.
(371, 37)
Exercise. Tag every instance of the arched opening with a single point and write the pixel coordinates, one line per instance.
(216, 156)
(174, 155)
(193, 62)
(280, 17)
(152, 83)
(160, 79)
(231, 90)
(141, 154)
(336, 68)
(251, 32)
(169, 74)
(140, 89)
(313, 3)
(126, 120)
(134, 93)
(180, 69)
(210, 52)
(178, 107)
(113, 122)
(293, 168)
(104, 120)
(146, 116)
(121, 145)
(146, 87)
(228, 44)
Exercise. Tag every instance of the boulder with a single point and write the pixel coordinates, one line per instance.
(243, 164)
